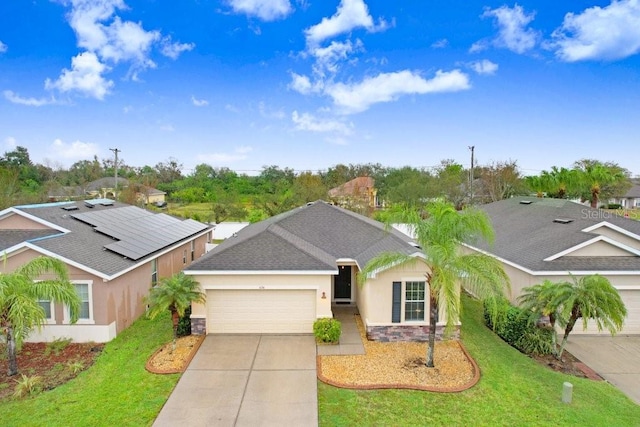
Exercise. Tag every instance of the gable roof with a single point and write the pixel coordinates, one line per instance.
(536, 234)
(309, 238)
(359, 186)
(75, 237)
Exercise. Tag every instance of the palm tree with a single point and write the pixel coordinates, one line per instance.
(588, 298)
(561, 181)
(594, 176)
(440, 236)
(175, 293)
(537, 183)
(543, 300)
(20, 311)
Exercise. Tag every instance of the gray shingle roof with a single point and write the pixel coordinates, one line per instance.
(83, 244)
(526, 234)
(308, 238)
(9, 238)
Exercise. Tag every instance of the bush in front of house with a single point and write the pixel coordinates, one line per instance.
(184, 324)
(327, 330)
(513, 325)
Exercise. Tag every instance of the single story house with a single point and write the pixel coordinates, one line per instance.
(114, 253)
(555, 239)
(631, 199)
(281, 274)
(106, 188)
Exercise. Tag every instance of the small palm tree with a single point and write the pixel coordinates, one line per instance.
(588, 298)
(20, 311)
(175, 293)
(440, 237)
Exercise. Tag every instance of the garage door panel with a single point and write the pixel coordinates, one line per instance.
(631, 326)
(260, 311)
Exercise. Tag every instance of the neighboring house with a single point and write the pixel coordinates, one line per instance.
(540, 238)
(105, 188)
(631, 200)
(281, 274)
(114, 253)
(358, 193)
(227, 229)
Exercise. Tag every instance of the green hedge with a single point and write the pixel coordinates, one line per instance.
(515, 328)
(327, 330)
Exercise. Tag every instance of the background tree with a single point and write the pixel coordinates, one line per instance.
(175, 293)
(20, 293)
(598, 180)
(308, 187)
(406, 185)
(440, 236)
(587, 298)
(452, 182)
(500, 180)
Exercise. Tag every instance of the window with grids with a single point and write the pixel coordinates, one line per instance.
(82, 289)
(46, 307)
(414, 301)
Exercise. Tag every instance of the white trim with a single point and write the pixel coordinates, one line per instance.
(259, 272)
(66, 319)
(34, 218)
(596, 239)
(52, 309)
(77, 333)
(213, 287)
(613, 227)
(555, 272)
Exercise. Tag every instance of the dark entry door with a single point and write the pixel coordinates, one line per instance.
(342, 283)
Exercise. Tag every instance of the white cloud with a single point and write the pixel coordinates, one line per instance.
(199, 102)
(85, 76)
(269, 113)
(239, 153)
(308, 122)
(327, 58)
(484, 67)
(439, 44)
(74, 151)
(10, 143)
(351, 14)
(301, 84)
(267, 10)
(3, 47)
(608, 33)
(513, 33)
(173, 50)
(31, 102)
(386, 87)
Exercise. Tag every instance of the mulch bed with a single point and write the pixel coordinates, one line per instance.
(569, 364)
(168, 361)
(43, 360)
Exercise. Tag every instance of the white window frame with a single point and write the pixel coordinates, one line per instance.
(184, 257)
(67, 315)
(52, 308)
(154, 272)
(425, 301)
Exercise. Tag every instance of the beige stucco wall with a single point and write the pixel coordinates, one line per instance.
(375, 297)
(320, 283)
(617, 236)
(599, 249)
(18, 222)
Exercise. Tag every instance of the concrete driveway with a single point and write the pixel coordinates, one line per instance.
(247, 380)
(616, 359)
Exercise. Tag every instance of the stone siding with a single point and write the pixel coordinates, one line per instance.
(198, 326)
(404, 332)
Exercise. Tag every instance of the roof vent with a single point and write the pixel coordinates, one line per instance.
(525, 202)
(70, 208)
(563, 220)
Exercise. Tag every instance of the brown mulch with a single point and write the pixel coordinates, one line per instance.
(168, 361)
(569, 364)
(43, 360)
(401, 365)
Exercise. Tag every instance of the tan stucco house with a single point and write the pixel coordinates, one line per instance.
(114, 253)
(359, 193)
(540, 238)
(281, 274)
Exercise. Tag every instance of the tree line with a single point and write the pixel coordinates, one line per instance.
(273, 190)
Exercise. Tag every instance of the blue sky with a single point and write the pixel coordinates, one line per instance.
(309, 84)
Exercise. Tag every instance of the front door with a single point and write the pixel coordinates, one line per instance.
(342, 283)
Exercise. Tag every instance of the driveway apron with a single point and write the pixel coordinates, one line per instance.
(247, 380)
(616, 359)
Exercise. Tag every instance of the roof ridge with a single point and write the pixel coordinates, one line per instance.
(295, 240)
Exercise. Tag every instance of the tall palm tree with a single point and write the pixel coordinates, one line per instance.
(561, 181)
(587, 298)
(594, 176)
(20, 311)
(440, 236)
(175, 293)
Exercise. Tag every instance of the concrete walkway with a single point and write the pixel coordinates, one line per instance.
(616, 359)
(350, 339)
(247, 380)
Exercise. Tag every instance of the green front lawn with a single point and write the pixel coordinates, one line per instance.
(115, 391)
(513, 390)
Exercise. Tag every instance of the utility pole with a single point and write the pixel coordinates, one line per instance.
(116, 151)
(472, 148)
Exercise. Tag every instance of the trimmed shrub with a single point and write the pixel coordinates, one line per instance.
(184, 324)
(327, 330)
(513, 325)
(614, 206)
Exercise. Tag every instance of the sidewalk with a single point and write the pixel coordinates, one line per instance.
(350, 340)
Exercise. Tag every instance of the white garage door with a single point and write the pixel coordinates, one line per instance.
(261, 311)
(631, 301)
